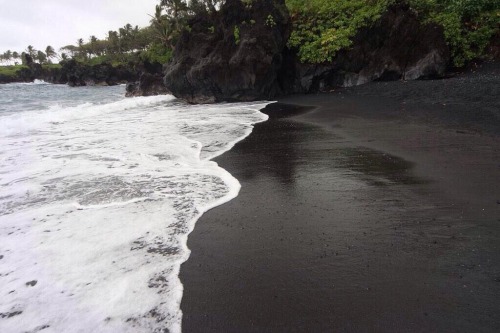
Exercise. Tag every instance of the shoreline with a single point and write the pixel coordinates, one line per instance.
(355, 220)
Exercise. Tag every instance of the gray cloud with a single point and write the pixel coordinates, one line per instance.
(62, 22)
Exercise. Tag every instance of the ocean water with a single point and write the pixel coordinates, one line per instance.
(98, 194)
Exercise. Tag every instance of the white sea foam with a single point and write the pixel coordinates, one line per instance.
(96, 204)
(37, 81)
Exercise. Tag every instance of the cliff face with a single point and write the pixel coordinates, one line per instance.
(234, 55)
(240, 54)
(398, 46)
(150, 82)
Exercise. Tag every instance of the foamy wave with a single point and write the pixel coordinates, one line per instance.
(23, 123)
(97, 203)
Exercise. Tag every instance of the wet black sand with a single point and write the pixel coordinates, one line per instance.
(376, 211)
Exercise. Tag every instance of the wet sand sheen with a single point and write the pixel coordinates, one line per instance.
(340, 226)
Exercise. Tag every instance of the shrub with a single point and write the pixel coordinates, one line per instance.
(323, 27)
(157, 53)
(236, 34)
(468, 25)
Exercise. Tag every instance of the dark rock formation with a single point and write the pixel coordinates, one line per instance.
(233, 55)
(148, 85)
(150, 82)
(238, 54)
(29, 73)
(398, 46)
(7, 79)
(76, 74)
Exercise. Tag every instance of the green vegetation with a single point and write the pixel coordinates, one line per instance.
(10, 71)
(323, 27)
(468, 25)
(270, 21)
(236, 34)
(247, 3)
(127, 45)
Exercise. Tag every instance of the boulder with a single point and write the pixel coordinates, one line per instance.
(234, 54)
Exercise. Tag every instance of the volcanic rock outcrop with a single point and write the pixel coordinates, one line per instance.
(398, 46)
(240, 54)
(232, 55)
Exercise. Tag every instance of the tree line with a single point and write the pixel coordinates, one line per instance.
(114, 47)
(44, 57)
(129, 43)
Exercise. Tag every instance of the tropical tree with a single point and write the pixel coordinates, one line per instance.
(71, 49)
(82, 51)
(169, 20)
(211, 6)
(6, 56)
(50, 53)
(41, 57)
(114, 41)
(31, 51)
(26, 59)
(93, 45)
(15, 56)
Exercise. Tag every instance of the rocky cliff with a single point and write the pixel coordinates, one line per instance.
(150, 82)
(77, 74)
(398, 46)
(240, 54)
(232, 55)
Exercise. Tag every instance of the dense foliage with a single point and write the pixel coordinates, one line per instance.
(10, 70)
(323, 27)
(468, 25)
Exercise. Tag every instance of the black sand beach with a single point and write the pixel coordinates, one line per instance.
(376, 209)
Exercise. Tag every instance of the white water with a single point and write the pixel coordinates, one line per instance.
(98, 195)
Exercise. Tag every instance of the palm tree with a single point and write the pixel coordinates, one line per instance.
(41, 57)
(26, 59)
(7, 56)
(81, 50)
(170, 24)
(159, 21)
(73, 50)
(128, 28)
(15, 56)
(93, 45)
(114, 41)
(50, 53)
(31, 51)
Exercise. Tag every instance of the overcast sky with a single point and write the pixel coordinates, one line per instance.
(62, 22)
